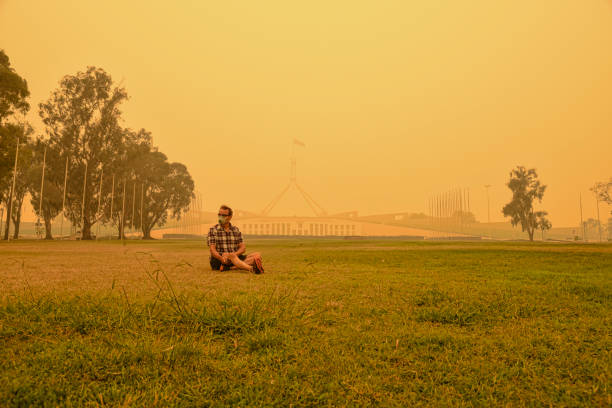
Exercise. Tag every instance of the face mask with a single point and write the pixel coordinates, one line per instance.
(222, 219)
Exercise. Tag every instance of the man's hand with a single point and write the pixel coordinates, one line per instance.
(225, 258)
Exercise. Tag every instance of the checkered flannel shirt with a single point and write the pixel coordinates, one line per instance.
(224, 241)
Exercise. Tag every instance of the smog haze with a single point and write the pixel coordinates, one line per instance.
(395, 101)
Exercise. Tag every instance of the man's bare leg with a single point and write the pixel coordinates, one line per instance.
(250, 259)
(238, 263)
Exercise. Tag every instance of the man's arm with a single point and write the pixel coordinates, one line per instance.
(215, 254)
(241, 249)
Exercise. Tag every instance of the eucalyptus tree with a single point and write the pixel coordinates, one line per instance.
(51, 186)
(144, 189)
(8, 144)
(16, 186)
(13, 99)
(13, 90)
(82, 122)
(168, 193)
(123, 181)
(526, 189)
(603, 191)
(163, 189)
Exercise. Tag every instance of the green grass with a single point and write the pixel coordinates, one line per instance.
(333, 323)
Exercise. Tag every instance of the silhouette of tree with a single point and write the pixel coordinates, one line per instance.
(526, 188)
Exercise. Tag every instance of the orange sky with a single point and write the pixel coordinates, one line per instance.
(395, 100)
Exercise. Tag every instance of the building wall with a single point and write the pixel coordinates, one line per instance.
(309, 226)
(299, 227)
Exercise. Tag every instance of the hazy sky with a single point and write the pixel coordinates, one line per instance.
(395, 100)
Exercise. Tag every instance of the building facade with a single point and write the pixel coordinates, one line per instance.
(298, 226)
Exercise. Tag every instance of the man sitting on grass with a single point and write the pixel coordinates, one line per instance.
(227, 248)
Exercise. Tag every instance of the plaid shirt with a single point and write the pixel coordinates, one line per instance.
(224, 241)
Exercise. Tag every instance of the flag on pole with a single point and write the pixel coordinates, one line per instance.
(298, 142)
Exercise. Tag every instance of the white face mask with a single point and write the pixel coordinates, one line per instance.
(222, 219)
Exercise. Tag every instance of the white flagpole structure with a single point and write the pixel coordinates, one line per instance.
(10, 204)
(133, 207)
(99, 202)
(83, 204)
(122, 233)
(111, 209)
(581, 221)
(64, 199)
(598, 221)
(141, 207)
(42, 182)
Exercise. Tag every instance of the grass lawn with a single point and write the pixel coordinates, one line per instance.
(332, 323)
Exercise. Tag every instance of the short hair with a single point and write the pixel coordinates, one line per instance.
(225, 207)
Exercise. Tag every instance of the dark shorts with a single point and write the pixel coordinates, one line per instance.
(215, 264)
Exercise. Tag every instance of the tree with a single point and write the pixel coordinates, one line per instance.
(13, 98)
(13, 133)
(82, 120)
(119, 172)
(8, 142)
(53, 184)
(7, 157)
(603, 191)
(13, 90)
(147, 189)
(591, 226)
(168, 190)
(526, 188)
(543, 223)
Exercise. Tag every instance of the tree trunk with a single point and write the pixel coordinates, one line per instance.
(7, 224)
(146, 233)
(120, 231)
(17, 223)
(86, 231)
(530, 231)
(48, 228)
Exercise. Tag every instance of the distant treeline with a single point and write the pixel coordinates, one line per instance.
(84, 165)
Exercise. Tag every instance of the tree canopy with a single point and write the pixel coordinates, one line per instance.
(82, 122)
(13, 90)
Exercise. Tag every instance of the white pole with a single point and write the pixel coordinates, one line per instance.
(133, 207)
(200, 213)
(123, 212)
(141, 207)
(83, 204)
(582, 222)
(64, 199)
(488, 204)
(10, 206)
(42, 182)
(598, 221)
(111, 209)
(468, 199)
(99, 202)
(487, 186)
